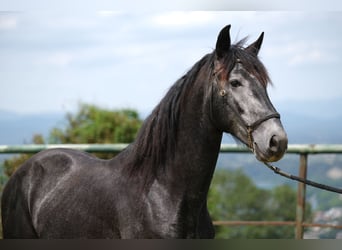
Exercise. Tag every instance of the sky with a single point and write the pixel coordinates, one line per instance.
(50, 61)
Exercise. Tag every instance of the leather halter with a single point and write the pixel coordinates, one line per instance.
(249, 127)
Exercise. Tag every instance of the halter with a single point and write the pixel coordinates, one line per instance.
(249, 127)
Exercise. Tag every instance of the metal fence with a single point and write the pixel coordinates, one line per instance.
(303, 150)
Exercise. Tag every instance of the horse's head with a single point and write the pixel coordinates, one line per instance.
(240, 103)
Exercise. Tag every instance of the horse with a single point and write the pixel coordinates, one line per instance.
(157, 187)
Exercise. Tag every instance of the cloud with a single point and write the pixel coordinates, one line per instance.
(60, 59)
(182, 18)
(335, 173)
(150, 50)
(107, 13)
(8, 22)
(312, 56)
(301, 53)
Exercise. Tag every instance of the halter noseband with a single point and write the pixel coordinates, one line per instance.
(254, 125)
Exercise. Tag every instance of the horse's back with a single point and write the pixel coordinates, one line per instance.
(51, 188)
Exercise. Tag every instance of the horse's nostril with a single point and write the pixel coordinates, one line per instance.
(274, 143)
(278, 144)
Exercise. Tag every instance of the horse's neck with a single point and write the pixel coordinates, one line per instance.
(198, 144)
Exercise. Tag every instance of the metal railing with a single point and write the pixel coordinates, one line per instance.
(303, 150)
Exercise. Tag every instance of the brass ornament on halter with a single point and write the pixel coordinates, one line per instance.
(223, 92)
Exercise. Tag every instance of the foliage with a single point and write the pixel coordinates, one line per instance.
(233, 196)
(90, 124)
(10, 165)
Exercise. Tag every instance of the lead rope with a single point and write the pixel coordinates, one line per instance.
(302, 180)
(287, 175)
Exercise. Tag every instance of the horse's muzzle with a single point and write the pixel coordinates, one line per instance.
(270, 141)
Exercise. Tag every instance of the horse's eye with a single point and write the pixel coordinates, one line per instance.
(235, 83)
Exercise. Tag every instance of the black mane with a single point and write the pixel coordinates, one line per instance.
(156, 140)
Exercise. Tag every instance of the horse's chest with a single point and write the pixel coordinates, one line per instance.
(169, 216)
(158, 214)
(162, 213)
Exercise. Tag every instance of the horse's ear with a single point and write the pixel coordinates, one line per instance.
(223, 42)
(255, 47)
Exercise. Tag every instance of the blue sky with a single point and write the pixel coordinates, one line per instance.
(51, 61)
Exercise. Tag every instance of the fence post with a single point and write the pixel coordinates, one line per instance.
(300, 211)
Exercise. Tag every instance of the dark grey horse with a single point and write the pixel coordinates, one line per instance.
(157, 187)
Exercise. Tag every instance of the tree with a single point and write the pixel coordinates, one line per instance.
(233, 196)
(90, 124)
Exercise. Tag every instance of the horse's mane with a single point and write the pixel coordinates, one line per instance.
(157, 138)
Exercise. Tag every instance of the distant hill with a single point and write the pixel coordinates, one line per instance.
(312, 130)
(312, 122)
